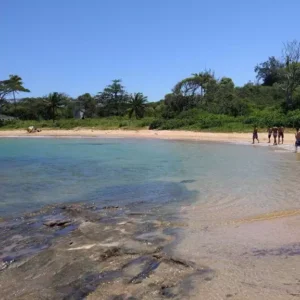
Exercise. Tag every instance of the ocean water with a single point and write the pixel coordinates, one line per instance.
(40, 171)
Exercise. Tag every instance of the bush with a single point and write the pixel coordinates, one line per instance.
(123, 124)
(293, 119)
(267, 118)
(156, 124)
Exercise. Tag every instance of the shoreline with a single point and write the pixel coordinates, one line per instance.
(151, 134)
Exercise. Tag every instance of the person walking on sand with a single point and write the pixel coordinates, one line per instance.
(275, 134)
(280, 134)
(255, 135)
(270, 130)
(297, 142)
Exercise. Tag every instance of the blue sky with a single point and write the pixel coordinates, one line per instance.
(77, 46)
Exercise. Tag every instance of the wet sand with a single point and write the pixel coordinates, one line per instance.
(255, 257)
(157, 134)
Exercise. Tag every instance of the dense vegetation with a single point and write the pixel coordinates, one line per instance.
(199, 102)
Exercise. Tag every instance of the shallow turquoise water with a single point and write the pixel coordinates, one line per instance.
(36, 172)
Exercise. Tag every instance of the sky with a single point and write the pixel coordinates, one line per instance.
(79, 46)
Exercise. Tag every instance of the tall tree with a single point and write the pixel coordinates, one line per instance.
(87, 103)
(4, 91)
(113, 99)
(54, 101)
(290, 74)
(13, 85)
(137, 105)
(16, 86)
(225, 96)
(269, 71)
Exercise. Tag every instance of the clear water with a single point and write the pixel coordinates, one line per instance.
(37, 172)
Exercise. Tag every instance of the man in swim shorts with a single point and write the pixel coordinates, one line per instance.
(270, 130)
(297, 143)
(280, 134)
(275, 134)
(255, 135)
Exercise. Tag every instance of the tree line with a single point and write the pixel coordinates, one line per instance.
(273, 97)
(114, 100)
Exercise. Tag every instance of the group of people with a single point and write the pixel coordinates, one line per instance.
(278, 136)
(276, 132)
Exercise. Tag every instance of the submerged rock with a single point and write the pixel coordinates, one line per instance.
(52, 223)
(91, 254)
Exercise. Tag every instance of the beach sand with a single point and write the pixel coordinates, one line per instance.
(253, 258)
(157, 134)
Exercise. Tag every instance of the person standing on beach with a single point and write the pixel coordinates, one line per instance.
(270, 130)
(297, 142)
(280, 135)
(255, 135)
(275, 134)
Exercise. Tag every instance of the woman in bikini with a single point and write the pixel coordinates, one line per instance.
(280, 135)
(255, 135)
(270, 130)
(275, 134)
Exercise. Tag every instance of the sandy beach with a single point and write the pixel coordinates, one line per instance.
(157, 134)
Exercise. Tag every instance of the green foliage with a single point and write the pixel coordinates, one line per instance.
(198, 120)
(87, 104)
(269, 71)
(94, 123)
(113, 100)
(53, 102)
(137, 105)
(13, 86)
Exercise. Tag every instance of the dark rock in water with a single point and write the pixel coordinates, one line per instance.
(175, 260)
(110, 207)
(115, 251)
(149, 268)
(187, 181)
(285, 250)
(52, 223)
(169, 291)
(122, 297)
(87, 284)
(72, 251)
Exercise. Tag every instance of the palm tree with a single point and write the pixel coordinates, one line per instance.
(54, 101)
(15, 85)
(137, 105)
